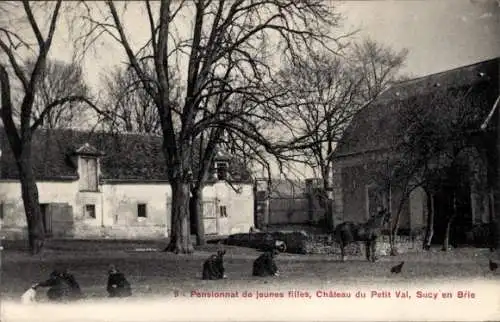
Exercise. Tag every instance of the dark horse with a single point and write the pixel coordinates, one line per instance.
(368, 232)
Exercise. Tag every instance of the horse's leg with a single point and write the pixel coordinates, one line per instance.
(367, 250)
(373, 248)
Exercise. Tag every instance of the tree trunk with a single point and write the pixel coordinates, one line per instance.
(29, 192)
(180, 241)
(429, 231)
(328, 200)
(395, 228)
(196, 213)
(394, 234)
(329, 215)
(446, 240)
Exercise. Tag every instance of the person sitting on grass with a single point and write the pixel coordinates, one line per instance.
(213, 267)
(265, 264)
(118, 286)
(62, 286)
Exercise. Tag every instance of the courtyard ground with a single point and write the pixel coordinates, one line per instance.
(154, 272)
(167, 287)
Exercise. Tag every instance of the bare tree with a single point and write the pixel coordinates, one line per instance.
(227, 52)
(58, 80)
(327, 92)
(128, 105)
(444, 144)
(393, 173)
(13, 42)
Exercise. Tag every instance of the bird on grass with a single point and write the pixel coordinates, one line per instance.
(397, 269)
(493, 266)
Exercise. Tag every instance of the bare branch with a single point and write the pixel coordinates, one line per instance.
(34, 25)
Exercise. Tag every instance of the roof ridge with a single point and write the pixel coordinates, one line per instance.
(87, 132)
(130, 156)
(446, 71)
(366, 119)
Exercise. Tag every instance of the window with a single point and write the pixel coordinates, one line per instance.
(375, 197)
(1, 210)
(90, 211)
(223, 211)
(88, 179)
(141, 210)
(221, 168)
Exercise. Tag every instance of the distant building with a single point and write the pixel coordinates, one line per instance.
(373, 136)
(98, 185)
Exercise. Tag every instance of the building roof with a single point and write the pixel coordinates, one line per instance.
(127, 157)
(376, 126)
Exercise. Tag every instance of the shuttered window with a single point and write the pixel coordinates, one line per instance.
(88, 180)
(89, 211)
(141, 210)
(223, 211)
(221, 168)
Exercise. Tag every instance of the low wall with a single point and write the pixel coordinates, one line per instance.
(323, 244)
(97, 232)
(14, 233)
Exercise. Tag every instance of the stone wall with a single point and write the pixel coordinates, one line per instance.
(322, 244)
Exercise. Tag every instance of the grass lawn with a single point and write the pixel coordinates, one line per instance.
(155, 272)
(156, 278)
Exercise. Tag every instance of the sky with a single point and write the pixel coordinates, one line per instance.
(439, 34)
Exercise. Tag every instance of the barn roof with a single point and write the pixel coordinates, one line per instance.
(376, 126)
(134, 157)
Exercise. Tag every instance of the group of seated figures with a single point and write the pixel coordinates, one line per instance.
(264, 265)
(64, 287)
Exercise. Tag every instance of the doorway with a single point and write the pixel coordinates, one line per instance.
(46, 219)
(444, 208)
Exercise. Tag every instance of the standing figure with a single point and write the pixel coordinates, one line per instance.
(213, 267)
(118, 286)
(62, 286)
(265, 264)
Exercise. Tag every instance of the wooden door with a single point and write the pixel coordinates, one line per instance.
(223, 220)
(210, 220)
(376, 198)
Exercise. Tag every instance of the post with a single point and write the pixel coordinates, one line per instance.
(329, 207)
(310, 200)
(262, 194)
(1, 226)
(496, 193)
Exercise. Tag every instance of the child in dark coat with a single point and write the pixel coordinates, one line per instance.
(118, 286)
(265, 265)
(213, 267)
(62, 286)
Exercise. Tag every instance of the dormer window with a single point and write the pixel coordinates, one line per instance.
(88, 179)
(87, 158)
(221, 169)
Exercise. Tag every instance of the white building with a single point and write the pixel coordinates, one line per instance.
(97, 185)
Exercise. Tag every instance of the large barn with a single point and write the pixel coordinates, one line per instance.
(374, 136)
